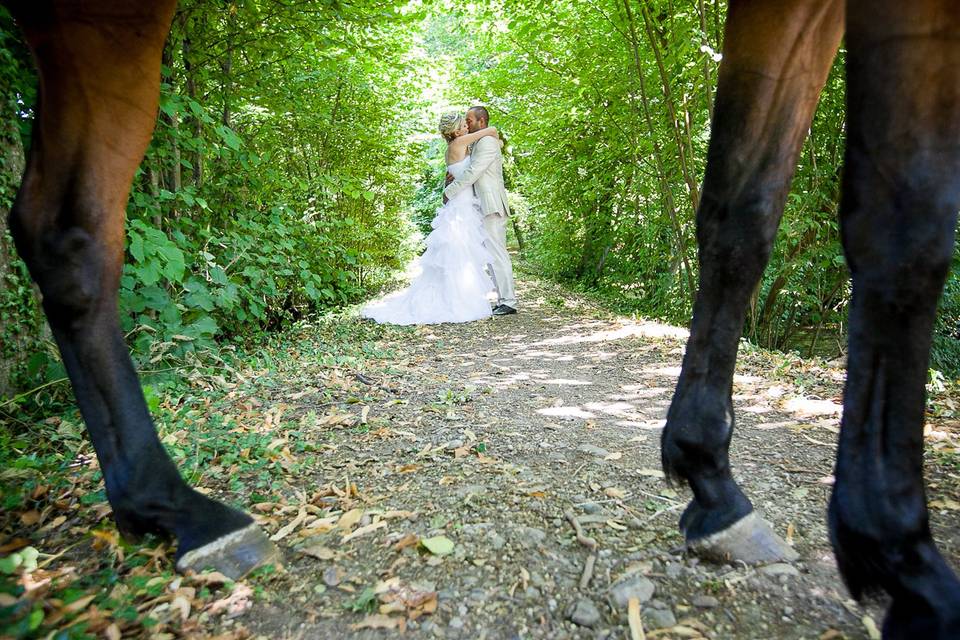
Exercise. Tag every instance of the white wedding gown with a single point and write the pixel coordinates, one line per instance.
(453, 283)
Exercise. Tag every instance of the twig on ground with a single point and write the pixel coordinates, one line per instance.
(582, 538)
(588, 571)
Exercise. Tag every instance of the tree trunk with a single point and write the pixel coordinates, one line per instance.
(11, 165)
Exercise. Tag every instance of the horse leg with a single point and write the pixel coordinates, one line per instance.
(776, 58)
(901, 193)
(99, 84)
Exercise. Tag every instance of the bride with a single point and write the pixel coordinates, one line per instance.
(453, 283)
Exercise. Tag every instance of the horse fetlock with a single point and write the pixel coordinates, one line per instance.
(696, 437)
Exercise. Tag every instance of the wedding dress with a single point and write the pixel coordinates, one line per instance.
(453, 283)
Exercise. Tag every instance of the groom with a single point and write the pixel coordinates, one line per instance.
(485, 175)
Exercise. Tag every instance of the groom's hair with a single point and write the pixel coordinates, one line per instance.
(482, 113)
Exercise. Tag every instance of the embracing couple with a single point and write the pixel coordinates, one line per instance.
(466, 256)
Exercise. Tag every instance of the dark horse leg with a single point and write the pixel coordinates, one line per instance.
(99, 68)
(901, 192)
(776, 57)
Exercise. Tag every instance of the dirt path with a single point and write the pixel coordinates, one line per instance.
(428, 479)
(496, 434)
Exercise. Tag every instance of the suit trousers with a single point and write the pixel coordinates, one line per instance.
(502, 267)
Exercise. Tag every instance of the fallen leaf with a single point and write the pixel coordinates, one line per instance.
(181, 604)
(349, 519)
(407, 515)
(239, 600)
(650, 473)
(287, 530)
(616, 455)
(945, 504)
(614, 492)
(211, 579)
(30, 518)
(362, 531)
(380, 621)
(438, 545)
(319, 552)
(409, 540)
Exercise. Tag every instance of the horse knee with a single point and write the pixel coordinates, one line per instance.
(67, 263)
(898, 226)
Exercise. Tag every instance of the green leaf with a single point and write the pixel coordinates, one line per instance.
(438, 545)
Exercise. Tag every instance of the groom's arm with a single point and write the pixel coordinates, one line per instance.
(484, 153)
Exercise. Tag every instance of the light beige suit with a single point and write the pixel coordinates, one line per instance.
(485, 175)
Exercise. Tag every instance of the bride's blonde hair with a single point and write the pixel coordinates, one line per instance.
(450, 123)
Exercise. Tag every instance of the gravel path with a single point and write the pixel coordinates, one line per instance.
(496, 437)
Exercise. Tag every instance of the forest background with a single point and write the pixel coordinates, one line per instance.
(295, 168)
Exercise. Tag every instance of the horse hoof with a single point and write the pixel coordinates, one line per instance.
(234, 555)
(750, 539)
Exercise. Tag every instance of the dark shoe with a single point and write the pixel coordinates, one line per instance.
(503, 310)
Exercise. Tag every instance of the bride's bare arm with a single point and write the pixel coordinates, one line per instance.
(470, 138)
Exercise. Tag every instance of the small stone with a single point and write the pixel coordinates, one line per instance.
(779, 569)
(532, 537)
(456, 622)
(453, 444)
(332, 576)
(659, 618)
(705, 602)
(674, 569)
(496, 540)
(476, 527)
(593, 450)
(591, 507)
(584, 613)
(632, 587)
(470, 489)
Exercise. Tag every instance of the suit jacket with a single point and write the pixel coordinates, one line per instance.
(485, 174)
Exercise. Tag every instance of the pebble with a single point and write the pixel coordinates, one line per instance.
(477, 527)
(456, 622)
(584, 613)
(593, 450)
(496, 540)
(531, 536)
(780, 569)
(633, 587)
(705, 602)
(659, 618)
(591, 507)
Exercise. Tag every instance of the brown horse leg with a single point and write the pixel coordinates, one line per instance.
(99, 82)
(901, 192)
(776, 58)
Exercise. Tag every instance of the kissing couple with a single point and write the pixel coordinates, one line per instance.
(466, 256)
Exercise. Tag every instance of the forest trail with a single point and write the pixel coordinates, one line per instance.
(495, 434)
(427, 480)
